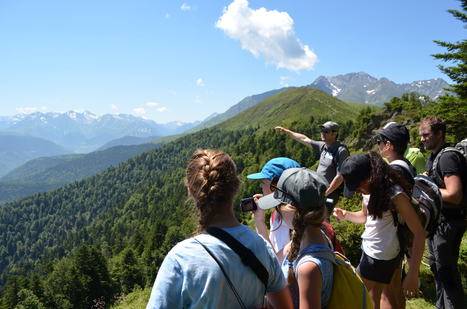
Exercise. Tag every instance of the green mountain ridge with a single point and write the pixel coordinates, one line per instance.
(48, 173)
(16, 149)
(296, 104)
(235, 109)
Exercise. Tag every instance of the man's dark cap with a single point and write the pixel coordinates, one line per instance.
(396, 133)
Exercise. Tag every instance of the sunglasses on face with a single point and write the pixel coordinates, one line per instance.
(325, 131)
(282, 191)
(380, 139)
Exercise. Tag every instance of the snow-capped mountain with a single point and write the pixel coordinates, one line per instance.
(364, 88)
(85, 131)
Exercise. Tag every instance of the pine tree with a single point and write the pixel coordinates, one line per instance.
(453, 109)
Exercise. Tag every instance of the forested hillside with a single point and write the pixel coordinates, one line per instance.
(48, 173)
(104, 236)
(16, 149)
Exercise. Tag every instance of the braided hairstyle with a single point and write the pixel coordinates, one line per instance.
(212, 182)
(382, 179)
(301, 220)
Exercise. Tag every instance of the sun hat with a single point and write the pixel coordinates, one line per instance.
(274, 168)
(300, 187)
(330, 125)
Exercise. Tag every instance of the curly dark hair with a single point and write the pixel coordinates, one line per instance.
(382, 179)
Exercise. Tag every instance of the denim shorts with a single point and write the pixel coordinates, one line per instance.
(377, 270)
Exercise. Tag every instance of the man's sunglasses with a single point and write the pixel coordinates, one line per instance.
(326, 131)
(380, 139)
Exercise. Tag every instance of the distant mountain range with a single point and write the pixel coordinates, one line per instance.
(364, 88)
(352, 87)
(84, 131)
(16, 149)
(128, 141)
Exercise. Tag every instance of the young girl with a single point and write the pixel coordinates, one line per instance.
(300, 192)
(189, 277)
(368, 174)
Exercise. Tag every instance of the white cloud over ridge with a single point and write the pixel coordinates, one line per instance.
(27, 110)
(162, 109)
(267, 34)
(152, 104)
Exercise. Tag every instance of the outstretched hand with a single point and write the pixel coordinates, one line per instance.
(339, 214)
(281, 129)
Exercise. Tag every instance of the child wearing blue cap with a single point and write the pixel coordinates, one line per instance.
(280, 231)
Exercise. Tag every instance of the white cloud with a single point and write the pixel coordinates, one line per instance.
(198, 100)
(173, 92)
(185, 7)
(152, 104)
(167, 15)
(27, 110)
(140, 111)
(114, 107)
(284, 81)
(162, 109)
(267, 34)
(200, 82)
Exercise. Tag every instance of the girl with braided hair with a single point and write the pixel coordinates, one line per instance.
(385, 193)
(204, 272)
(300, 193)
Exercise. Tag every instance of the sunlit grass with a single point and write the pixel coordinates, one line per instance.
(135, 300)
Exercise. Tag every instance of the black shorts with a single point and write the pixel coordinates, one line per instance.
(377, 270)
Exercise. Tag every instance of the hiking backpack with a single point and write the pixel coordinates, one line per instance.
(348, 289)
(460, 148)
(427, 202)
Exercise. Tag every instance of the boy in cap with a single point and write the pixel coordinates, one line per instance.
(269, 175)
(332, 154)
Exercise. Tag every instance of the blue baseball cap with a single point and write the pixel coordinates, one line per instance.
(274, 168)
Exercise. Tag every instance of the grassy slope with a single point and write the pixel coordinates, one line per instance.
(293, 104)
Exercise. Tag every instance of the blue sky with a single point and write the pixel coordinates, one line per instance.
(184, 60)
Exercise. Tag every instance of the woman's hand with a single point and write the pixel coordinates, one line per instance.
(410, 285)
(339, 214)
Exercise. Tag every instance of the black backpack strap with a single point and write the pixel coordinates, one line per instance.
(336, 154)
(403, 250)
(435, 172)
(247, 256)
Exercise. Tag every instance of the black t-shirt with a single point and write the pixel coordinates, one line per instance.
(450, 163)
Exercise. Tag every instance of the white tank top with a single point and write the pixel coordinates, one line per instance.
(379, 240)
